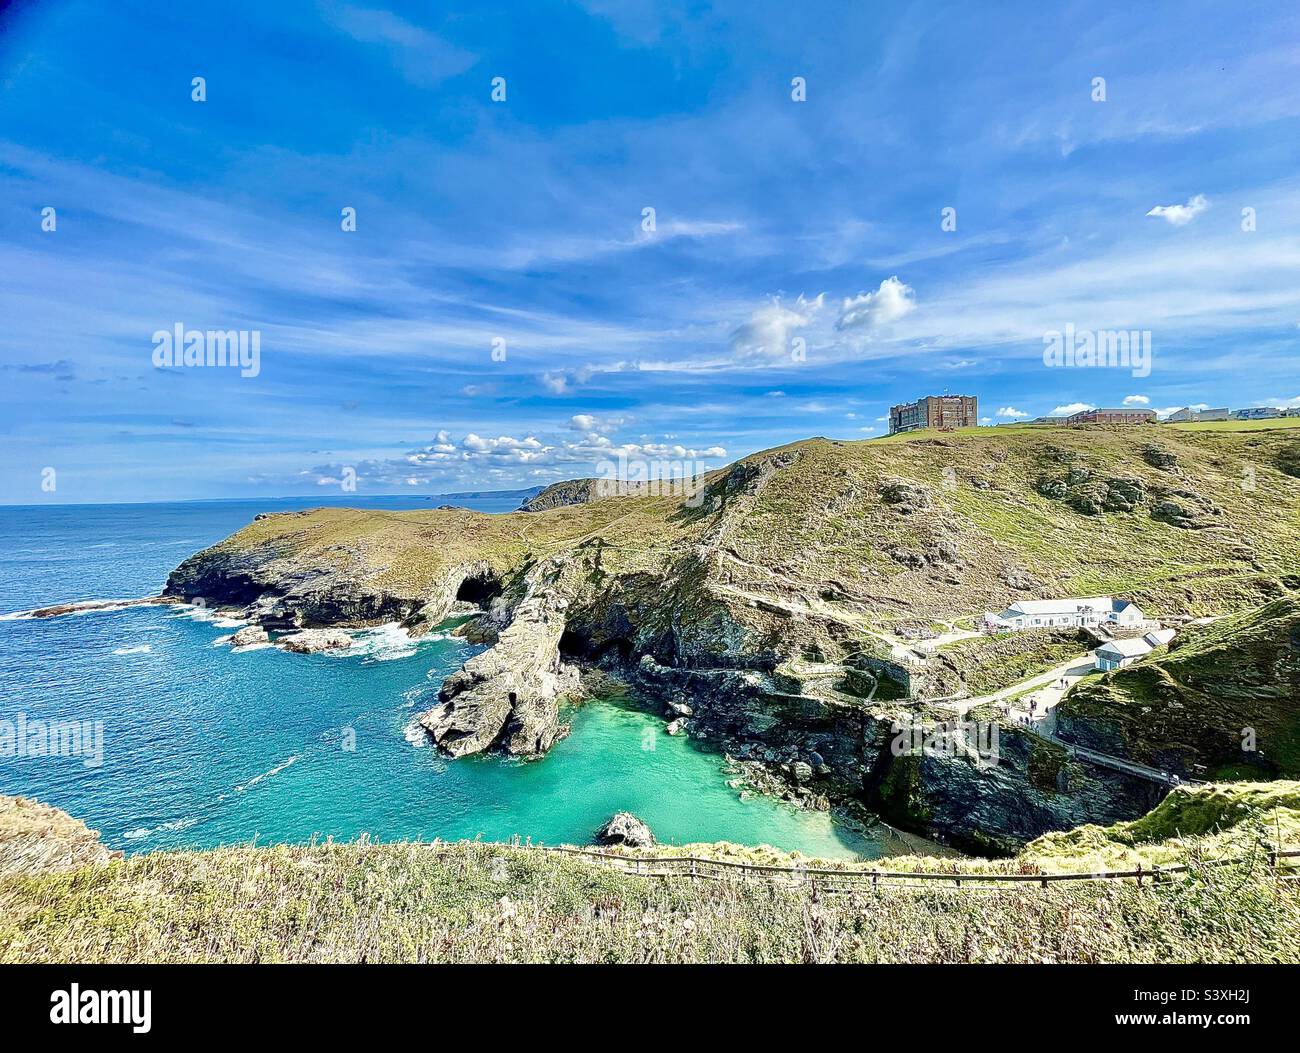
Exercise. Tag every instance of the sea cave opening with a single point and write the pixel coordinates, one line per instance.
(479, 588)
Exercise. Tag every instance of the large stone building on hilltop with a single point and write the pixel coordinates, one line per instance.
(935, 411)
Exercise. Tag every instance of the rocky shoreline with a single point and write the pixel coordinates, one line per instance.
(813, 747)
(753, 607)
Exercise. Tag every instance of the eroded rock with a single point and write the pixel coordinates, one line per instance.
(508, 696)
(625, 829)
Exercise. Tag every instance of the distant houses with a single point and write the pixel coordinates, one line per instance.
(1086, 613)
(1112, 416)
(1115, 654)
(1187, 415)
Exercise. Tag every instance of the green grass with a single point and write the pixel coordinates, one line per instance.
(1279, 423)
(1222, 821)
(478, 903)
(989, 663)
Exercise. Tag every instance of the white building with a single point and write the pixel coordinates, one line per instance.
(1118, 653)
(1081, 613)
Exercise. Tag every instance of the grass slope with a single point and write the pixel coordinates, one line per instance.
(477, 903)
(472, 902)
(1191, 705)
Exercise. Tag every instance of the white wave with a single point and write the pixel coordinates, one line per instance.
(266, 774)
(219, 618)
(141, 649)
(147, 831)
(382, 643)
(416, 735)
(74, 607)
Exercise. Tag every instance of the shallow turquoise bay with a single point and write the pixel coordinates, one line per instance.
(205, 746)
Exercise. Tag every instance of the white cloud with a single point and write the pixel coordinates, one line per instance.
(1181, 215)
(1073, 407)
(1011, 411)
(1136, 400)
(421, 57)
(561, 381)
(588, 422)
(892, 301)
(1284, 403)
(446, 459)
(769, 330)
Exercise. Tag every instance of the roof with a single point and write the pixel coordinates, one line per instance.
(1159, 637)
(1097, 603)
(1133, 648)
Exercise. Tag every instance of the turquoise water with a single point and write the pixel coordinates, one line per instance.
(204, 746)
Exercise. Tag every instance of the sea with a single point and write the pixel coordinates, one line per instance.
(200, 745)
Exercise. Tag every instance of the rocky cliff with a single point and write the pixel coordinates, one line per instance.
(762, 602)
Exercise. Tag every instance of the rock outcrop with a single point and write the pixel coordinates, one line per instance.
(558, 495)
(508, 696)
(624, 829)
(250, 635)
(36, 839)
(314, 641)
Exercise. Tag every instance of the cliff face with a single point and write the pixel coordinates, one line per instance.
(762, 602)
(569, 492)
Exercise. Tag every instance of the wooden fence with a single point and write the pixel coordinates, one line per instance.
(830, 880)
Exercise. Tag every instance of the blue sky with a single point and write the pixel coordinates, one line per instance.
(776, 221)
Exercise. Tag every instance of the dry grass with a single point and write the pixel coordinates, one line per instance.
(478, 903)
(35, 837)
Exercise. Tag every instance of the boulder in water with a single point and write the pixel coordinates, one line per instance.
(249, 635)
(312, 641)
(626, 829)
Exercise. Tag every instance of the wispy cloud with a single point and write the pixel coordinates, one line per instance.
(1181, 215)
